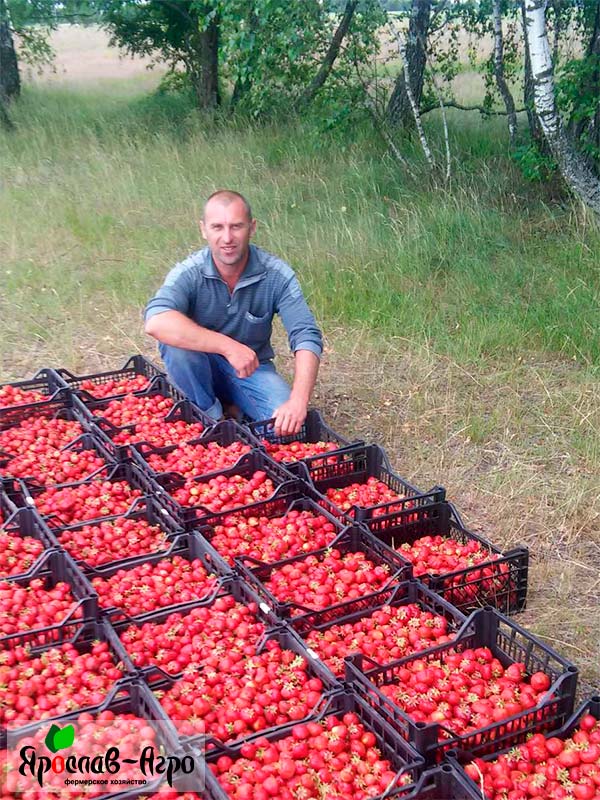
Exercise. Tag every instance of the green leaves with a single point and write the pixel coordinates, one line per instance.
(533, 163)
(59, 738)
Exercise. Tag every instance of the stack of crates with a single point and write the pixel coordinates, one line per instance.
(60, 527)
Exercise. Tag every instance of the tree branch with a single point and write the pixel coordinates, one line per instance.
(380, 127)
(461, 107)
(379, 124)
(332, 53)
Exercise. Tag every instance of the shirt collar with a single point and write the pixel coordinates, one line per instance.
(252, 269)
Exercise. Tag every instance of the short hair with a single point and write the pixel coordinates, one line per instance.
(228, 195)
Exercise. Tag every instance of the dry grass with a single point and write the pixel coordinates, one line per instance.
(497, 440)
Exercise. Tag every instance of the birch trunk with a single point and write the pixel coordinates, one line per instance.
(501, 83)
(528, 93)
(579, 177)
(399, 110)
(413, 103)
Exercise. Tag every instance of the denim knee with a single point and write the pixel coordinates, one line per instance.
(191, 372)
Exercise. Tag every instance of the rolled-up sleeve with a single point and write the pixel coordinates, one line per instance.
(298, 320)
(178, 291)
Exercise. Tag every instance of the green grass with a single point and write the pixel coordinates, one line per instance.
(103, 192)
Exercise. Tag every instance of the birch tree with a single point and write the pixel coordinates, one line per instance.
(501, 83)
(408, 88)
(528, 87)
(576, 172)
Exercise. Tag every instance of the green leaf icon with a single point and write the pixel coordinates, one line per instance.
(59, 738)
(49, 740)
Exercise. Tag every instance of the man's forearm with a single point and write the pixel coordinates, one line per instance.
(305, 375)
(175, 329)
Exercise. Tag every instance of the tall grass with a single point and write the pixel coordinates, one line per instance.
(101, 195)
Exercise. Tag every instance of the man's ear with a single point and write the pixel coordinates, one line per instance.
(252, 227)
(201, 227)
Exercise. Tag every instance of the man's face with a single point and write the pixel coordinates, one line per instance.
(228, 231)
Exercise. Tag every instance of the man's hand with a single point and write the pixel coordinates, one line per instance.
(243, 359)
(289, 417)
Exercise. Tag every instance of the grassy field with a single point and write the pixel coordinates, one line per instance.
(461, 319)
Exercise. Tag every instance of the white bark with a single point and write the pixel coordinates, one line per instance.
(413, 102)
(501, 83)
(440, 99)
(380, 126)
(581, 179)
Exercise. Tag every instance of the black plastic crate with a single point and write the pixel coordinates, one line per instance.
(126, 471)
(134, 366)
(151, 512)
(193, 516)
(403, 758)
(26, 523)
(353, 539)
(394, 596)
(82, 636)
(287, 641)
(233, 586)
(457, 757)
(131, 698)
(589, 706)
(61, 405)
(46, 382)
(440, 783)
(291, 496)
(11, 497)
(189, 546)
(509, 643)
(53, 567)
(500, 581)
(9, 502)
(85, 441)
(223, 433)
(159, 385)
(357, 463)
(314, 429)
(183, 410)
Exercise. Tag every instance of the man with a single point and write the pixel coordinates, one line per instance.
(213, 318)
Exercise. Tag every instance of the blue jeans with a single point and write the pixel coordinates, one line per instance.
(210, 380)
